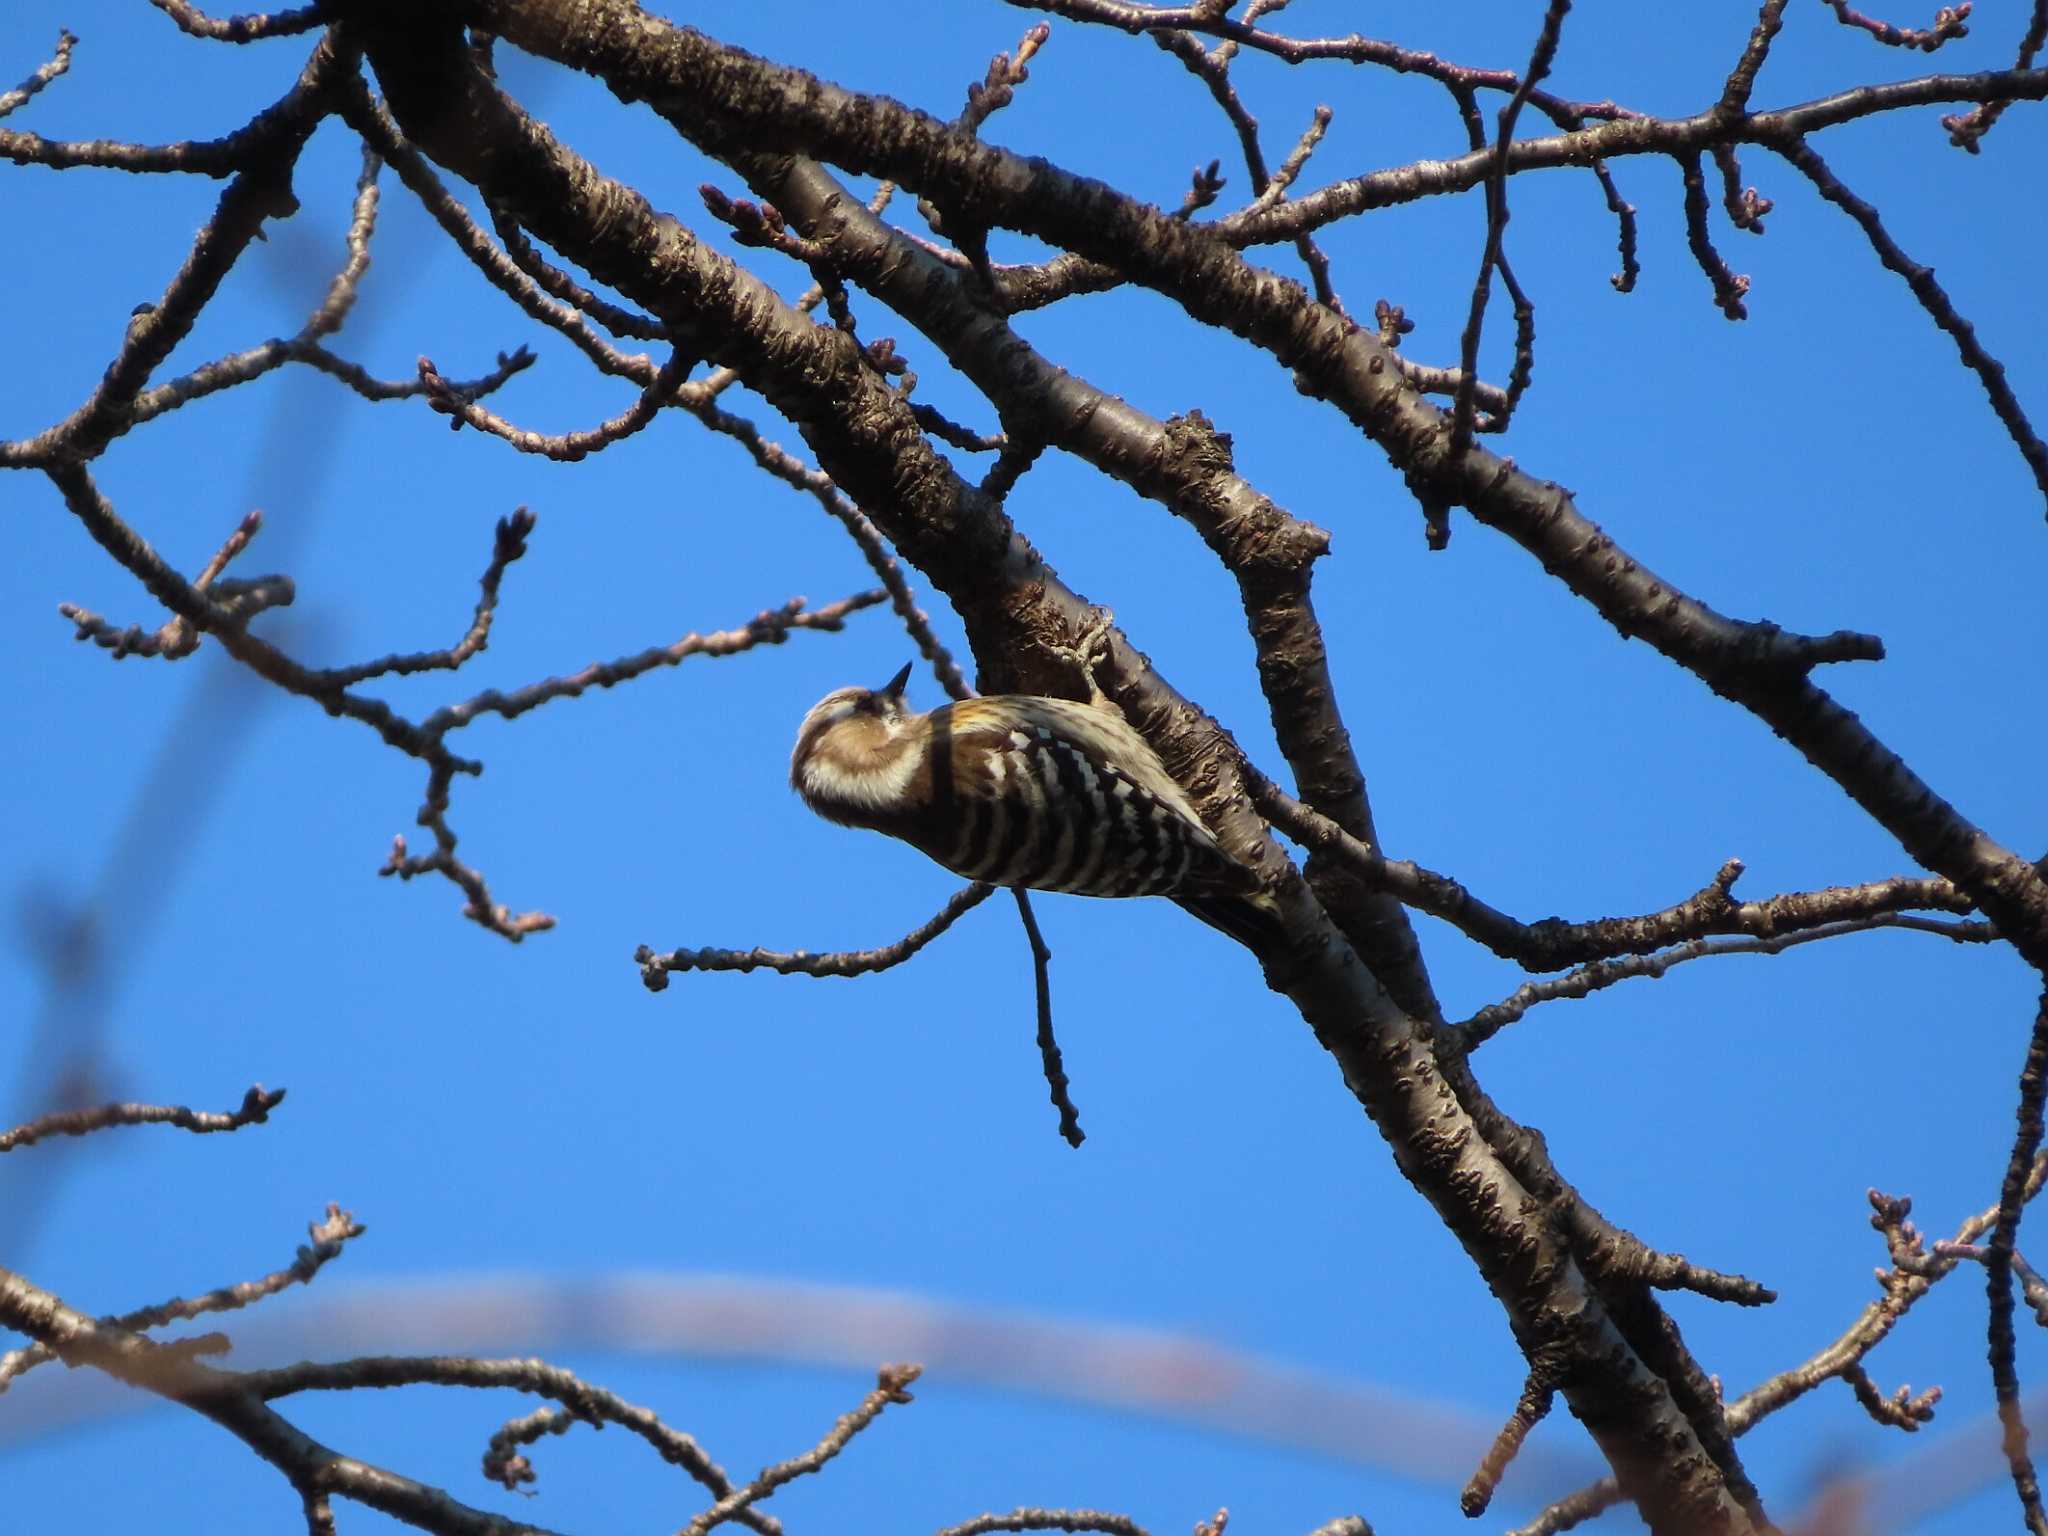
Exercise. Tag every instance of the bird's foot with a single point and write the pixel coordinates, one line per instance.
(1089, 651)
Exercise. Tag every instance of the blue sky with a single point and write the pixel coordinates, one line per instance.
(532, 1115)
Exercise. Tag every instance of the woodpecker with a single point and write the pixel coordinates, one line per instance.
(1019, 790)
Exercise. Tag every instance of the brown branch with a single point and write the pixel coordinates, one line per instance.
(1966, 130)
(163, 583)
(655, 969)
(1493, 257)
(998, 86)
(2012, 1202)
(567, 447)
(1933, 299)
(1427, 380)
(1914, 1272)
(1729, 286)
(319, 1512)
(1905, 1409)
(328, 1238)
(1029, 1519)
(1742, 79)
(479, 907)
(579, 1402)
(1616, 134)
(1553, 943)
(771, 626)
(560, 285)
(1538, 1392)
(586, 1404)
(176, 637)
(1744, 206)
(240, 367)
(1048, 1045)
(1354, 49)
(240, 1402)
(255, 1108)
(57, 64)
(891, 1385)
(260, 191)
(1212, 68)
(373, 122)
(508, 545)
(1949, 23)
(698, 400)
(1601, 974)
(305, 347)
(425, 740)
(947, 430)
(243, 29)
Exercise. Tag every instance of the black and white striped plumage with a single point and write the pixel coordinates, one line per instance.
(1015, 790)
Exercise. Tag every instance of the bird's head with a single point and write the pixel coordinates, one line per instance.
(849, 734)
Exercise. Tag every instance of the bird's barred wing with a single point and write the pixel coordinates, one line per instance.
(1058, 796)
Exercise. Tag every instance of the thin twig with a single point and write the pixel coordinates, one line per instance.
(1601, 974)
(1540, 58)
(1554, 943)
(1933, 299)
(255, 1108)
(1048, 1046)
(1730, 287)
(655, 969)
(508, 545)
(565, 447)
(1966, 130)
(55, 65)
(890, 1387)
(328, 1237)
(1948, 25)
(1538, 1392)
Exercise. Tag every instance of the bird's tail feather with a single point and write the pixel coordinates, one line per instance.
(1253, 921)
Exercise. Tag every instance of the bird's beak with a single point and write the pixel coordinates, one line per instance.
(894, 690)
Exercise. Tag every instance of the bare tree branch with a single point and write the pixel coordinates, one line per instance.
(655, 969)
(255, 1108)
